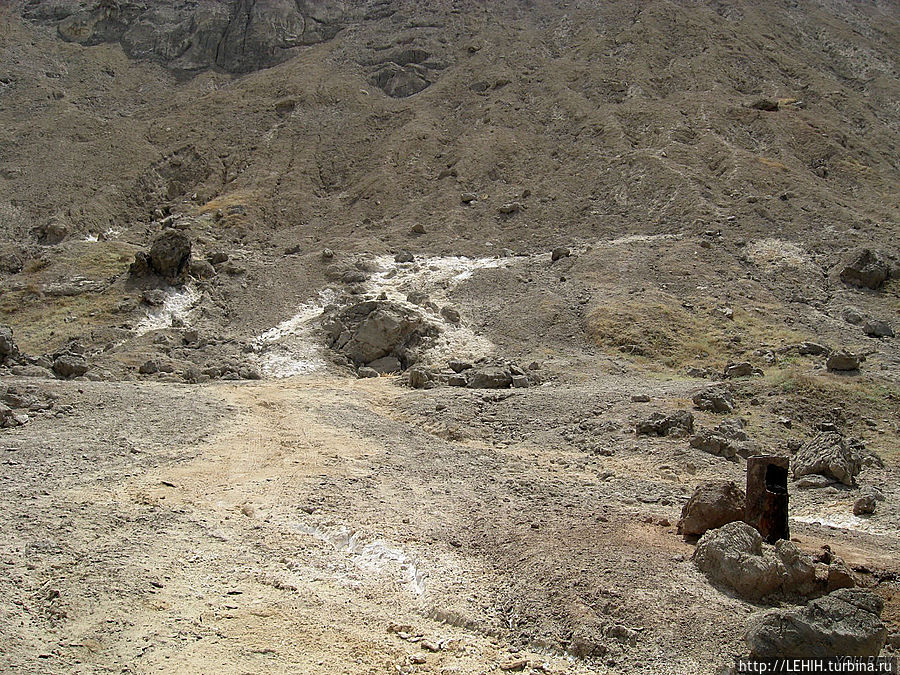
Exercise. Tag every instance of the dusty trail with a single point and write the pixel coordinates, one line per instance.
(285, 526)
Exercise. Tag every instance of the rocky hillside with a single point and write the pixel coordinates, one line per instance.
(527, 219)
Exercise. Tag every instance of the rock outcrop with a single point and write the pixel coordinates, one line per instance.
(369, 331)
(733, 556)
(713, 504)
(238, 37)
(828, 454)
(169, 257)
(846, 622)
(9, 350)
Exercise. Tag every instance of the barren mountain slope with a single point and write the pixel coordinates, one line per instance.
(216, 218)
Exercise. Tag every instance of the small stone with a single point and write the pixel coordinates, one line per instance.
(765, 104)
(418, 378)
(560, 252)
(154, 297)
(678, 423)
(217, 257)
(458, 366)
(404, 257)
(864, 506)
(510, 208)
(450, 314)
(811, 348)
(491, 377)
(468, 197)
(149, 367)
(520, 381)
(327, 254)
(418, 228)
(640, 398)
(714, 399)
(852, 315)
(518, 664)
(457, 380)
(367, 372)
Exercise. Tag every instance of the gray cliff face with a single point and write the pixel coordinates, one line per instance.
(237, 36)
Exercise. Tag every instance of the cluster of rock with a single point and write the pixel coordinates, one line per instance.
(871, 326)
(378, 335)
(841, 620)
(67, 362)
(18, 402)
(482, 374)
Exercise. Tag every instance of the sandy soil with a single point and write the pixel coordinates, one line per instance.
(320, 525)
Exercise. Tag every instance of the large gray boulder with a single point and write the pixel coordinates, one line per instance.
(865, 268)
(713, 504)
(846, 622)
(70, 365)
(678, 423)
(842, 361)
(733, 556)
(828, 454)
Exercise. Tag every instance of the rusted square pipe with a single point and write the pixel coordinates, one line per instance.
(766, 507)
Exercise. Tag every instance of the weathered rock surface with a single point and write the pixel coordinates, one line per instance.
(842, 361)
(169, 257)
(70, 365)
(742, 369)
(490, 377)
(9, 350)
(714, 399)
(828, 454)
(864, 506)
(678, 423)
(238, 37)
(878, 328)
(846, 622)
(734, 556)
(371, 330)
(727, 439)
(713, 504)
(866, 269)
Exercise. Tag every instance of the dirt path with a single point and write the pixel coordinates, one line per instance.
(320, 525)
